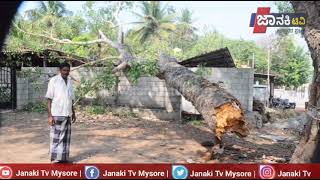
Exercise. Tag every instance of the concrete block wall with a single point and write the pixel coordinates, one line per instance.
(239, 82)
(148, 92)
(150, 97)
(26, 91)
(22, 92)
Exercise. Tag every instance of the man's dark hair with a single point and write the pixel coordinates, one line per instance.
(64, 64)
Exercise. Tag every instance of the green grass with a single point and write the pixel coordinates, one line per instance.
(95, 109)
(39, 107)
(124, 112)
(197, 122)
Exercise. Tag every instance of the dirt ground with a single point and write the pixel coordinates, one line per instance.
(24, 138)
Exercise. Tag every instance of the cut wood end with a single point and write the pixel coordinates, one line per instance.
(229, 117)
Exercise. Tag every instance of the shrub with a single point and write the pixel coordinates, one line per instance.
(95, 109)
(39, 107)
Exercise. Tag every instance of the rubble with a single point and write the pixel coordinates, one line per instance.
(254, 120)
(273, 137)
(274, 115)
(293, 124)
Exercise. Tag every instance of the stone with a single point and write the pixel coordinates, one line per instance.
(273, 138)
(243, 155)
(190, 161)
(254, 120)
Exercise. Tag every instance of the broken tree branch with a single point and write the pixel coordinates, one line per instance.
(95, 62)
(107, 40)
(68, 41)
(120, 67)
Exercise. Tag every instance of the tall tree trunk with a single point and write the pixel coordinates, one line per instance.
(308, 148)
(221, 111)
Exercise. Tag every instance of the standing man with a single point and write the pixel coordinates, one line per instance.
(60, 113)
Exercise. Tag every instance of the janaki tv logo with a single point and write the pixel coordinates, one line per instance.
(267, 172)
(263, 19)
(5, 172)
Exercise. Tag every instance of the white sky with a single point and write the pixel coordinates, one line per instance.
(231, 18)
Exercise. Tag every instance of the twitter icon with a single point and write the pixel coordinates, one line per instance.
(179, 172)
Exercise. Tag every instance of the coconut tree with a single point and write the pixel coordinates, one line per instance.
(155, 21)
(48, 8)
(185, 33)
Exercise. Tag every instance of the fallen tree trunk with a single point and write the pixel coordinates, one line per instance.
(221, 111)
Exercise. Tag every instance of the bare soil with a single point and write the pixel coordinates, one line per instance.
(24, 138)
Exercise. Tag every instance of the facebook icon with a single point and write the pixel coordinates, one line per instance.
(91, 172)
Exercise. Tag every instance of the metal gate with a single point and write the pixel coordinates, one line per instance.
(8, 90)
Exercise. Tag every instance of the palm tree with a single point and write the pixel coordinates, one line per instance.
(185, 23)
(155, 21)
(185, 34)
(48, 8)
(186, 16)
(54, 8)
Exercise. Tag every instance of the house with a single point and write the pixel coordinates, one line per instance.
(239, 81)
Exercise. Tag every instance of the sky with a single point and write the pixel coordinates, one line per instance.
(231, 18)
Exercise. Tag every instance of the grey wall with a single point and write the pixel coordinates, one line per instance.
(27, 92)
(150, 97)
(239, 82)
(260, 92)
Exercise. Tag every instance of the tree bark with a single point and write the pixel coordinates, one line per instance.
(308, 148)
(221, 111)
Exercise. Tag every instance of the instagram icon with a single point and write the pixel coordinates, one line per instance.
(267, 172)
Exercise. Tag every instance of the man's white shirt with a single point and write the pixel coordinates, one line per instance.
(61, 95)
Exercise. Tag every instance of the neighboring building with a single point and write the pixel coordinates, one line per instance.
(260, 87)
(238, 81)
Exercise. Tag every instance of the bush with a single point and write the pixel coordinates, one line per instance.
(39, 107)
(95, 109)
(124, 112)
(5, 94)
(198, 122)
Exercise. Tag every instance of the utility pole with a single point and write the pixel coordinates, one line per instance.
(268, 85)
(253, 60)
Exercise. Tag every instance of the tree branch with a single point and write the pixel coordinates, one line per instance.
(107, 40)
(94, 62)
(125, 56)
(121, 66)
(68, 41)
